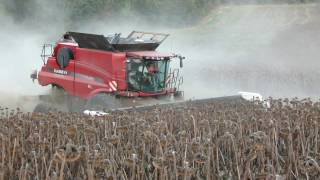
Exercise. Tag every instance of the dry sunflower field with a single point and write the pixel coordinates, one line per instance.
(208, 141)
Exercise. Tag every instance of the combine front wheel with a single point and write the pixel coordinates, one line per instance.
(178, 95)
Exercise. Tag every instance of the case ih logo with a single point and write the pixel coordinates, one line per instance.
(59, 71)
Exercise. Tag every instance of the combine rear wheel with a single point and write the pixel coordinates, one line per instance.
(75, 104)
(57, 95)
(103, 102)
(66, 102)
(44, 108)
(59, 100)
(52, 102)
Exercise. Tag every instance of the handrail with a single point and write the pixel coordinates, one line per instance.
(46, 48)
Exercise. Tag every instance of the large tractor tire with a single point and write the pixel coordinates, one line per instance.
(61, 101)
(103, 102)
(44, 108)
(66, 102)
(58, 94)
(178, 95)
(64, 57)
(75, 104)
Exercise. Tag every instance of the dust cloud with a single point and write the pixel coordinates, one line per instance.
(270, 49)
(20, 46)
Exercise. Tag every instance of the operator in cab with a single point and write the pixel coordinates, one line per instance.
(146, 76)
(150, 74)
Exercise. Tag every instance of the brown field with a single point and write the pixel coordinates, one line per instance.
(211, 141)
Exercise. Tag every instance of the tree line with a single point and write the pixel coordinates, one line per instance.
(181, 12)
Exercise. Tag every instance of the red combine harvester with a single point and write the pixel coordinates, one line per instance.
(94, 71)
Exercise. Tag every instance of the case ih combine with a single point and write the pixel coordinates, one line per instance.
(107, 70)
(89, 71)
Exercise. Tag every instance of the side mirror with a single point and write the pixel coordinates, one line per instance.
(181, 63)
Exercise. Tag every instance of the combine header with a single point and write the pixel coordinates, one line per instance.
(88, 70)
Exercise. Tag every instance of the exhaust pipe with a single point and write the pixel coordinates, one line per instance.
(34, 75)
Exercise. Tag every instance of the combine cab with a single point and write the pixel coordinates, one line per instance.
(94, 71)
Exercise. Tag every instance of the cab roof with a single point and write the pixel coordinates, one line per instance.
(154, 55)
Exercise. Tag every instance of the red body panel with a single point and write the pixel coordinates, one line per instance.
(91, 72)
